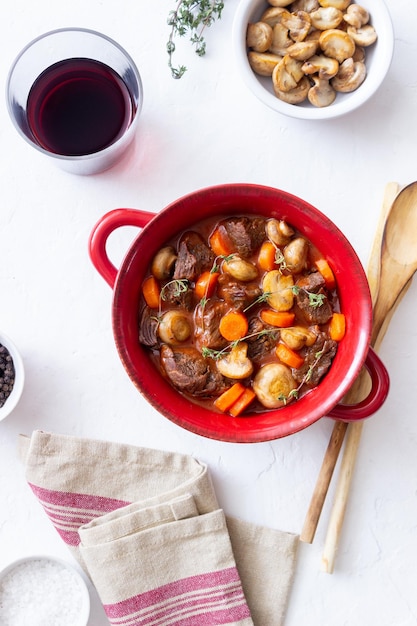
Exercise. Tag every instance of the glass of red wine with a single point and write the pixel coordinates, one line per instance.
(76, 95)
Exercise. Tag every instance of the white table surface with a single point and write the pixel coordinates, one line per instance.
(201, 130)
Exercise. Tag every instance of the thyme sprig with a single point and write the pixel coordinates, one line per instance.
(315, 299)
(218, 354)
(191, 17)
(181, 286)
(294, 393)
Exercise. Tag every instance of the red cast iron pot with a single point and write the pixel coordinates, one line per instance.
(354, 350)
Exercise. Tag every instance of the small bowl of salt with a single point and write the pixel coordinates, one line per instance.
(43, 591)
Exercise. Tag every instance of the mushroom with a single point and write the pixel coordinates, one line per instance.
(174, 327)
(163, 263)
(322, 65)
(305, 5)
(326, 17)
(281, 40)
(278, 232)
(322, 93)
(337, 4)
(356, 16)
(359, 54)
(263, 63)
(351, 74)
(296, 95)
(279, 3)
(273, 385)
(259, 36)
(298, 24)
(236, 364)
(273, 15)
(295, 255)
(296, 337)
(279, 287)
(303, 50)
(364, 36)
(240, 268)
(287, 74)
(337, 44)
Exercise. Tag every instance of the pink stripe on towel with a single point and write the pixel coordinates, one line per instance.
(68, 511)
(209, 599)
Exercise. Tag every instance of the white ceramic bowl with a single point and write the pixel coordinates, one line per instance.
(43, 589)
(14, 397)
(378, 60)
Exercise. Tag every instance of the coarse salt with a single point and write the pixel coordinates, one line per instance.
(40, 592)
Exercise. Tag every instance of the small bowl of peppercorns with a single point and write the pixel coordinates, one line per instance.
(11, 376)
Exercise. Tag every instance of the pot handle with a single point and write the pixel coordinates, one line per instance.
(102, 231)
(375, 399)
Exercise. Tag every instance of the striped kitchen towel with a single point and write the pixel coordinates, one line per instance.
(147, 528)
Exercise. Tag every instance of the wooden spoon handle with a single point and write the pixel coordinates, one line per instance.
(382, 317)
(358, 391)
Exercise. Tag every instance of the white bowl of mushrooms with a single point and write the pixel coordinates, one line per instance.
(313, 59)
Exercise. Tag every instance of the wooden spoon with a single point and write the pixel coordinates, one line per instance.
(398, 263)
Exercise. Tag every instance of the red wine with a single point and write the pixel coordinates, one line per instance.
(78, 106)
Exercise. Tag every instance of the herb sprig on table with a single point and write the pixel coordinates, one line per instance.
(191, 17)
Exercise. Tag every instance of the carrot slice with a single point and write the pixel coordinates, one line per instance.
(234, 325)
(220, 243)
(206, 284)
(327, 273)
(266, 256)
(151, 292)
(337, 326)
(229, 397)
(288, 356)
(282, 319)
(242, 402)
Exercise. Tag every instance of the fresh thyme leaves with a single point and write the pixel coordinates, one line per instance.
(315, 299)
(296, 392)
(191, 17)
(217, 354)
(181, 285)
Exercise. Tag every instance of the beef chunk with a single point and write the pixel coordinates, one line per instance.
(190, 372)
(207, 320)
(245, 233)
(148, 326)
(194, 256)
(327, 348)
(237, 294)
(259, 345)
(178, 297)
(313, 283)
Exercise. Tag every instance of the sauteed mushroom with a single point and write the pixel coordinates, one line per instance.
(297, 337)
(259, 36)
(356, 16)
(337, 44)
(322, 65)
(240, 268)
(295, 255)
(235, 364)
(322, 93)
(351, 74)
(263, 63)
(163, 263)
(363, 36)
(278, 232)
(325, 18)
(279, 286)
(337, 4)
(174, 327)
(273, 385)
